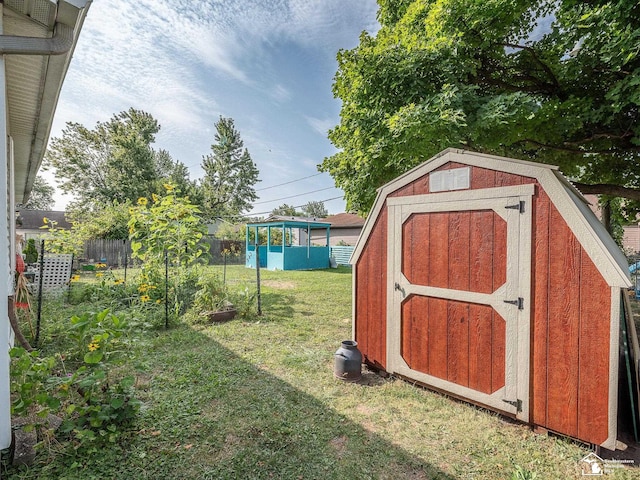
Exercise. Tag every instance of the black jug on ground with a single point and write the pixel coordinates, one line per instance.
(348, 362)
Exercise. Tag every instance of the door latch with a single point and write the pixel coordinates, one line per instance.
(519, 303)
(518, 206)
(400, 289)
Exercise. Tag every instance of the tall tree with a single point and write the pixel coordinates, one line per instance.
(286, 211)
(112, 162)
(555, 81)
(229, 174)
(176, 173)
(315, 210)
(41, 197)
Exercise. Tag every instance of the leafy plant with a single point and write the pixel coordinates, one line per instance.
(212, 294)
(168, 225)
(523, 474)
(29, 378)
(30, 251)
(76, 384)
(61, 240)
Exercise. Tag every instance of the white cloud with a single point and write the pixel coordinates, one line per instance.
(280, 93)
(321, 126)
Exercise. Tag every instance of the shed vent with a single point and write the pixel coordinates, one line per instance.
(454, 179)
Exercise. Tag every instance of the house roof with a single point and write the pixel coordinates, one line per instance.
(38, 39)
(569, 202)
(34, 219)
(345, 220)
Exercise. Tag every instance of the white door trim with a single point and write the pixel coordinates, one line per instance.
(518, 285)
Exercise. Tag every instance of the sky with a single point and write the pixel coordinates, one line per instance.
(268, 64)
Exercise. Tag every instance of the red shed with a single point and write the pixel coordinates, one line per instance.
(491, 279)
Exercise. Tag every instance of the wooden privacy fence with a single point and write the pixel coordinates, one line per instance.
(115, 252)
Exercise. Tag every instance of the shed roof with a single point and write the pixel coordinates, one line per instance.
(572, 206)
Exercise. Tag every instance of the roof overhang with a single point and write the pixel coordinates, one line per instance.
(38, 39)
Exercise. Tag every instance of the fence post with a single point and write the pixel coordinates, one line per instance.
(166, 289)
(124, 248)
(40, 282)
(258, 277)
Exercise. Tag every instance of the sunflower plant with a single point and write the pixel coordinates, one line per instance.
(167, 224)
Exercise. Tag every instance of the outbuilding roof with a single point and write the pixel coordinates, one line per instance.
(573, 207)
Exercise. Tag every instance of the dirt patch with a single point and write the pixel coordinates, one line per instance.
(339, 444)
(277, 284)
(365, 410)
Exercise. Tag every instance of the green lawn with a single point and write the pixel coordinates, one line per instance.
(257, 399)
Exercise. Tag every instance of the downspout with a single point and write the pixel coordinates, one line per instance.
(59, 44)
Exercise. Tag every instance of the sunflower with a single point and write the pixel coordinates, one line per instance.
(143, 201)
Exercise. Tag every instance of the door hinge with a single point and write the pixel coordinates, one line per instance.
(519, 302)
(518, 206)
(515, 403)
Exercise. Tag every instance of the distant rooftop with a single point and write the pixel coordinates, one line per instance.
(33, 219)
(345, 220)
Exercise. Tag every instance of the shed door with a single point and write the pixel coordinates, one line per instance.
(459, 290)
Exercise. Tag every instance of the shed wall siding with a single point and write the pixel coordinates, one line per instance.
(371, 295)
(570, 337)
(570, 313)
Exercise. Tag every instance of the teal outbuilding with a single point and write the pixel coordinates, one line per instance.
(284, 243)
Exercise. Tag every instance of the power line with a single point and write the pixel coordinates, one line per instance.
(287, 183)
(296, 206)
(292, 196)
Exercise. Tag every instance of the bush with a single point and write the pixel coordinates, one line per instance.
(30, 251)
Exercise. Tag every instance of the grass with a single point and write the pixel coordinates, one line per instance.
(257, 400)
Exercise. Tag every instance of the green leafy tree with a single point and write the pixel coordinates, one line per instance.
(232, 231)
(108, 221)
(41, 197)
(229, 174)
(112, 162)
(550, 81)
(286, 211)
(176, 173)
(315, 210)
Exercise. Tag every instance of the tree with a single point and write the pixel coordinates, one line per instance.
(176, 173)
(112, 162)
(41, 197)
(229, 174)
(550, 81)
(286, 211)
(108, 221)
(315, 210)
